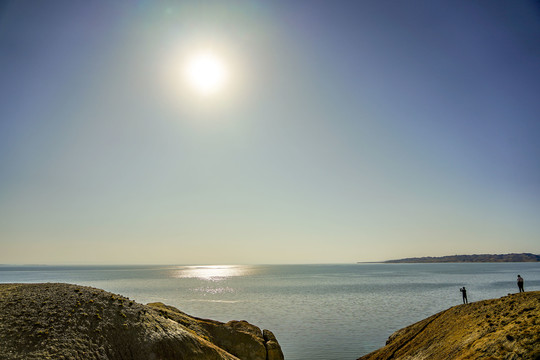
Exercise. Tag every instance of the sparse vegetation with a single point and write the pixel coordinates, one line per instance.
(489, 329)
(525, 257)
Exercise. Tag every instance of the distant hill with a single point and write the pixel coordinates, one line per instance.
(525, 257)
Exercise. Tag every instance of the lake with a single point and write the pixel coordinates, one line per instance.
(316, 311)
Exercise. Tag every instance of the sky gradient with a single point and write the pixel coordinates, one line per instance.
(348, 131)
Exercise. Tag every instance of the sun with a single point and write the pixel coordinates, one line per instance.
(206, 73)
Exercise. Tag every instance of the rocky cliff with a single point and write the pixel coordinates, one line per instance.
(63, 321)
(506, 328)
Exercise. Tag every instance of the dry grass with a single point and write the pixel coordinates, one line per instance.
(505, 328)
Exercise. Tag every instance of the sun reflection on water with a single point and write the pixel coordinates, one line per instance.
(211, 272)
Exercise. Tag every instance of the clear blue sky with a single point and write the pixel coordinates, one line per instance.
(347, 131)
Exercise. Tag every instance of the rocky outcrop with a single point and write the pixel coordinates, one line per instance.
(240, 338)
(505, 328)
(273, 350)
(63, 321)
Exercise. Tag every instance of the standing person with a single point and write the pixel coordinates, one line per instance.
(464, 293)
(520, 283)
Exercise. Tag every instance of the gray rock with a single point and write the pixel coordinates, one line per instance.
(63, 321)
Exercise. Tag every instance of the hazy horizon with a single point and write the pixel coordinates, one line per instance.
(90, 264)
(267, 132)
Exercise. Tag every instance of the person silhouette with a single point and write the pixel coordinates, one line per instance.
(464, 293)
(520, 283)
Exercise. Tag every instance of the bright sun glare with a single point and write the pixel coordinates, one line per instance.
(206, 73)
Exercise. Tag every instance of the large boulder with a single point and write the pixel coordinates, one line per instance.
(273, 350)
(239, 338)
(505, 328)
(63, 321)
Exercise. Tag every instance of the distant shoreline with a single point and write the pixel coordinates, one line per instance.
(476, 258)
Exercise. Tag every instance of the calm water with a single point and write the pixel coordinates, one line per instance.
(316, 311)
